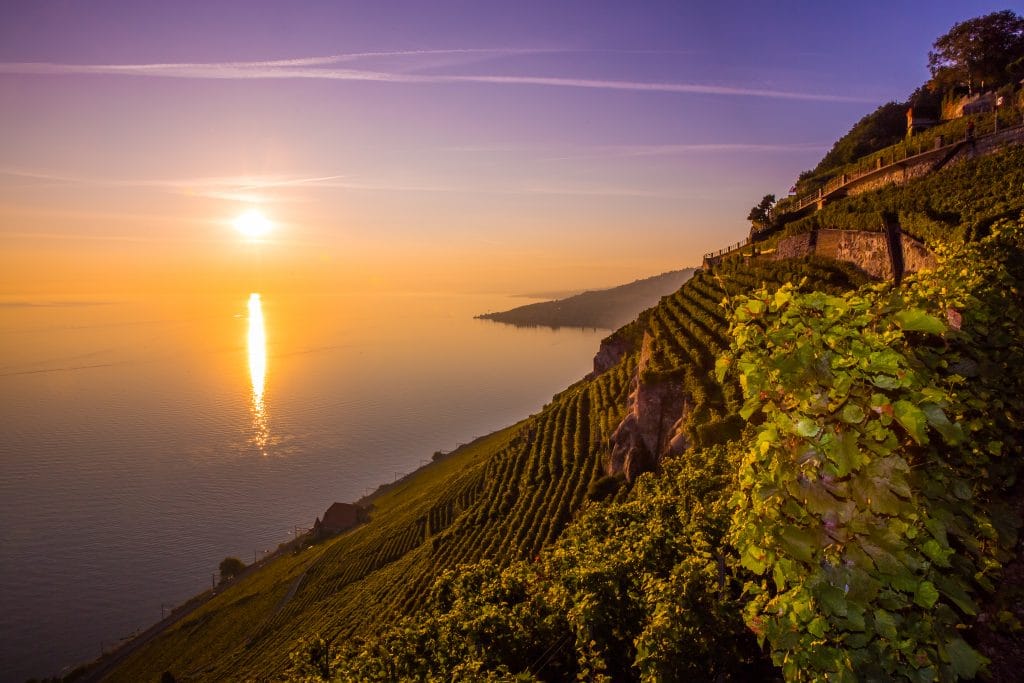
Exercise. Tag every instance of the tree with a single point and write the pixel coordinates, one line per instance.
(230, 567)
(978, 51)
(761, 215)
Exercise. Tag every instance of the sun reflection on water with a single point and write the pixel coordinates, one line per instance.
(258, 371)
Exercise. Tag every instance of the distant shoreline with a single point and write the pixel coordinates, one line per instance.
(607, 309)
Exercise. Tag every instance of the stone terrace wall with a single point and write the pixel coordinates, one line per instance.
(896, 175)
(869, 251)
(794, 247)
(916, 256)
(902, 173)
(993, 143)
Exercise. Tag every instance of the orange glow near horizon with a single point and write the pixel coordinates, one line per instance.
(258, 370)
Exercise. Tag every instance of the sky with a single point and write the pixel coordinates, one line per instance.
(470, 146)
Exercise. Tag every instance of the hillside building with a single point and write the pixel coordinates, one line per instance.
(339, 517)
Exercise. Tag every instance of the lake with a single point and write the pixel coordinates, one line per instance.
(141, 442)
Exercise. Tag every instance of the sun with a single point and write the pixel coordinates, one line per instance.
(252, 224)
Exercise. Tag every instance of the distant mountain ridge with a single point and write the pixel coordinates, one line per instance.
(603, 308)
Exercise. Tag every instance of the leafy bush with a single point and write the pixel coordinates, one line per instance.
(230, 567)
(871, 502)
(605, 487)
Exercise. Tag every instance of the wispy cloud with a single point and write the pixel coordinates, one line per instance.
(643, 86)
(254, 189)
(711, 148)
(325, 68)
(589, 192)
(653, 150)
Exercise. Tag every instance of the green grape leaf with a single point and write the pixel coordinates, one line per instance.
(926, 595)
(884, 624)
(798, 542)
(916, 320)
(807, 427)
(721, 367)
(753, 558)
(912, 419)
(951, 433)
(832, 599)
(847, 456)
(852, 413)
(751, 406)
(885, 381)
(966, 660)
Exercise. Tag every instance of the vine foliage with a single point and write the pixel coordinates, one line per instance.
(869, 506)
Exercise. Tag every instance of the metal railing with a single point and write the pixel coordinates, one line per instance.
(841, 181)
(727, 250)
(900, 154)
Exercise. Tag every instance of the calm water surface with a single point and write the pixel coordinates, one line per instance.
(141, 443)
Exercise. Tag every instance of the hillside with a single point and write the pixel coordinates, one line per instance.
(502, 499)
(484, 531)
(781, 469)
(603, 308)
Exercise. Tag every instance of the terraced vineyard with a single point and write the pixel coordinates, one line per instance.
(957, 203)
(503, 497)
(689, 330)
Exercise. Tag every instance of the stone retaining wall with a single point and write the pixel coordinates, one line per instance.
(867, 250)
(902, 173)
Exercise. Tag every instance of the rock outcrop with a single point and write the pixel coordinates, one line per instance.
(652, 428)
(613, 348)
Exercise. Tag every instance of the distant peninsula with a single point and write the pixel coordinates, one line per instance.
(604, 308)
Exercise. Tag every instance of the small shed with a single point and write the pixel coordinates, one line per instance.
(339, 517)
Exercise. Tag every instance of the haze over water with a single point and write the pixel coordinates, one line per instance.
(145, 441)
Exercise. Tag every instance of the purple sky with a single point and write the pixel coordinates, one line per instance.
(469, 145)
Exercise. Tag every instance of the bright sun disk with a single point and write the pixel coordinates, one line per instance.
(252, 224)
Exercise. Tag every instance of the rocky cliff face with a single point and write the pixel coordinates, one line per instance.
(652, 427)
(613, 348)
